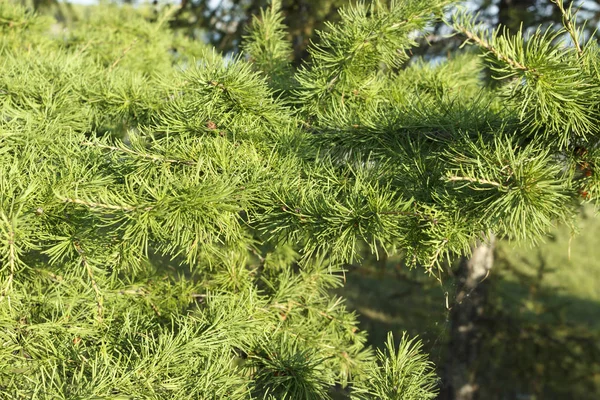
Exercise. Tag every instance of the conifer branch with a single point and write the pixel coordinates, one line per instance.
(484, 44)
(92, 204)
(84, 47)
(155, 309)
(473, 180)
(138, 154)
(342, 191)
(170, 14)
(54, 277)
(12, 255)
(12, 259)
(568, 18)
(123, 54)
(288, 309)
(435, 259)
(407, 213)
(97, 292)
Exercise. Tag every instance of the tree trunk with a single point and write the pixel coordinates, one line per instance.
(465, 316)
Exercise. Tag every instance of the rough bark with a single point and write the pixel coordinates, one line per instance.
(466, 315)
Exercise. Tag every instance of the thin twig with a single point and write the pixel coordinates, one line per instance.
(155, 309)
(409, 214)
(487, 46)
(130, 151)
(566, 17)
(434, 259)
(84, 48)
(98, 294)
(171, 13)
(307, 307)
(474, 180)
(125, 51)
(257, 254)
(12, 256)
(92, 204)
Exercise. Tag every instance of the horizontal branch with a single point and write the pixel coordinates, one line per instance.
(92, 204)
(291, 303)
(409, 214)
(474, 180)
(142, 155)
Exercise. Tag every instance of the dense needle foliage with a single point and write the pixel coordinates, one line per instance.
(171, 221)
(134, 167)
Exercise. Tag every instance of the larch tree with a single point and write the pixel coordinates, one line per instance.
(171, 221)
(443, 162)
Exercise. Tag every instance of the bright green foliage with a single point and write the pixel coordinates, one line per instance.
(268, 47)
(171, 221)
(554, 86)
(428, 158)
(20, 27)
(135, 182)
(346, 64)
(403, 374)
(550, 79)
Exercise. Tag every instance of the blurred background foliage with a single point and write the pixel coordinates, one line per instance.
(542, 335)
(542, 338)
(223, 22)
